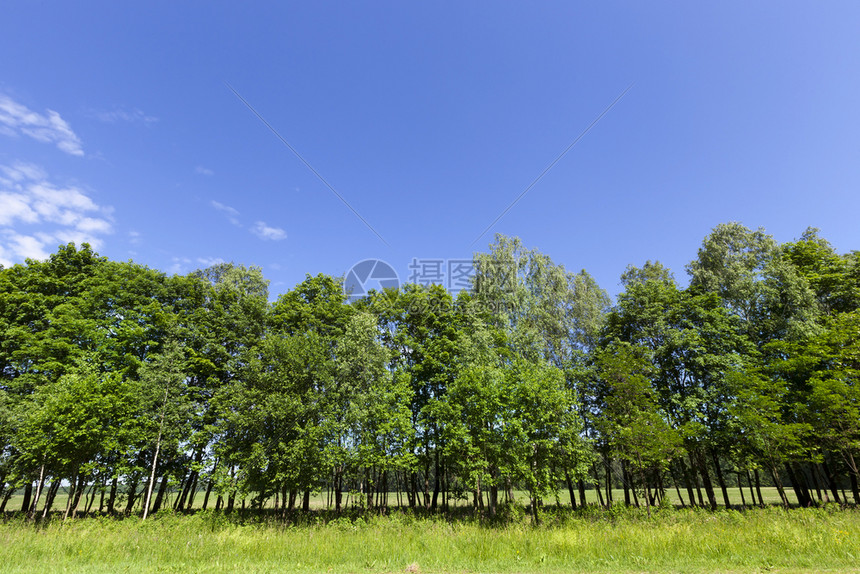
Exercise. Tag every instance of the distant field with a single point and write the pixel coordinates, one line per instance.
(319, 501)
(799, 540)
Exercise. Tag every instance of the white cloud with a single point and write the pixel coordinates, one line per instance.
(203, 170)
(232, 214)
(22, 246)
(179, 265)
(263, 231)
(49, 127)
(16, 206)
(36, 215)
(183, 265)
(225, 208)
(21, 171)
(260, 229)
(116, 115)
(93, 225)
(209, 261)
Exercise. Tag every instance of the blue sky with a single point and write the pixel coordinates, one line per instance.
(117, 126)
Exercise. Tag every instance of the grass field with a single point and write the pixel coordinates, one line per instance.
(622, 540)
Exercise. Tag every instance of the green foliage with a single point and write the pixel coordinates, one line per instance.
(76, 421)
(630, 419)
(109, 369)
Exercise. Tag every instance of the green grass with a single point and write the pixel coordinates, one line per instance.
(622, 540)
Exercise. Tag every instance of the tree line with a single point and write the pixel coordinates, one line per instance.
(136, 389)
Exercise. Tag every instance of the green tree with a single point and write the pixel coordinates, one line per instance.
(834, 390)
(70, 427)
(369, 415)
(168, 407)
(630, 419)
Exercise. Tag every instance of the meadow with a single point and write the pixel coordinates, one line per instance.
(589, 540)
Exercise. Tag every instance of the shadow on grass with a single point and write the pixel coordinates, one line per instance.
(507, 514)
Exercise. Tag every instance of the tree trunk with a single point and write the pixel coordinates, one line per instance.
(750, 484)
(114, 486)
(231, 497)
(814, 478)
(31, 512)
(436, 482)
(688, 481)
(152, 475)
(677, 489)
(102, 496)
(338, 494)
(758, 488)
(183, 484)
(159, 498)
(831, 480)
(28, 496)
(155, 456)
(72, 483)
(720, 480)
(597, 485)
(535, 513)
(9, 492)
(706, 479)
(582, 500)
(775, 475)
(208, 493)
(79, 491)
(189, 504)
(131, 497)
(645, 486)
(95, 488)
(608, 464)
(625, 479)
(741, 489)
(854, 490)
(427, 486)
(184, 490)
(52, 495)
(661, 488)
(570, 490)
(800, 491)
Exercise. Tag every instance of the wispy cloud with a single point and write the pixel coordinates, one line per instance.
(118, 115)
(203, 170)
(231, 213)
(17, 119)
(182, 265)
(179, 265)
(36, 214)
(209, 261)
(263, 231)
(260, 228)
